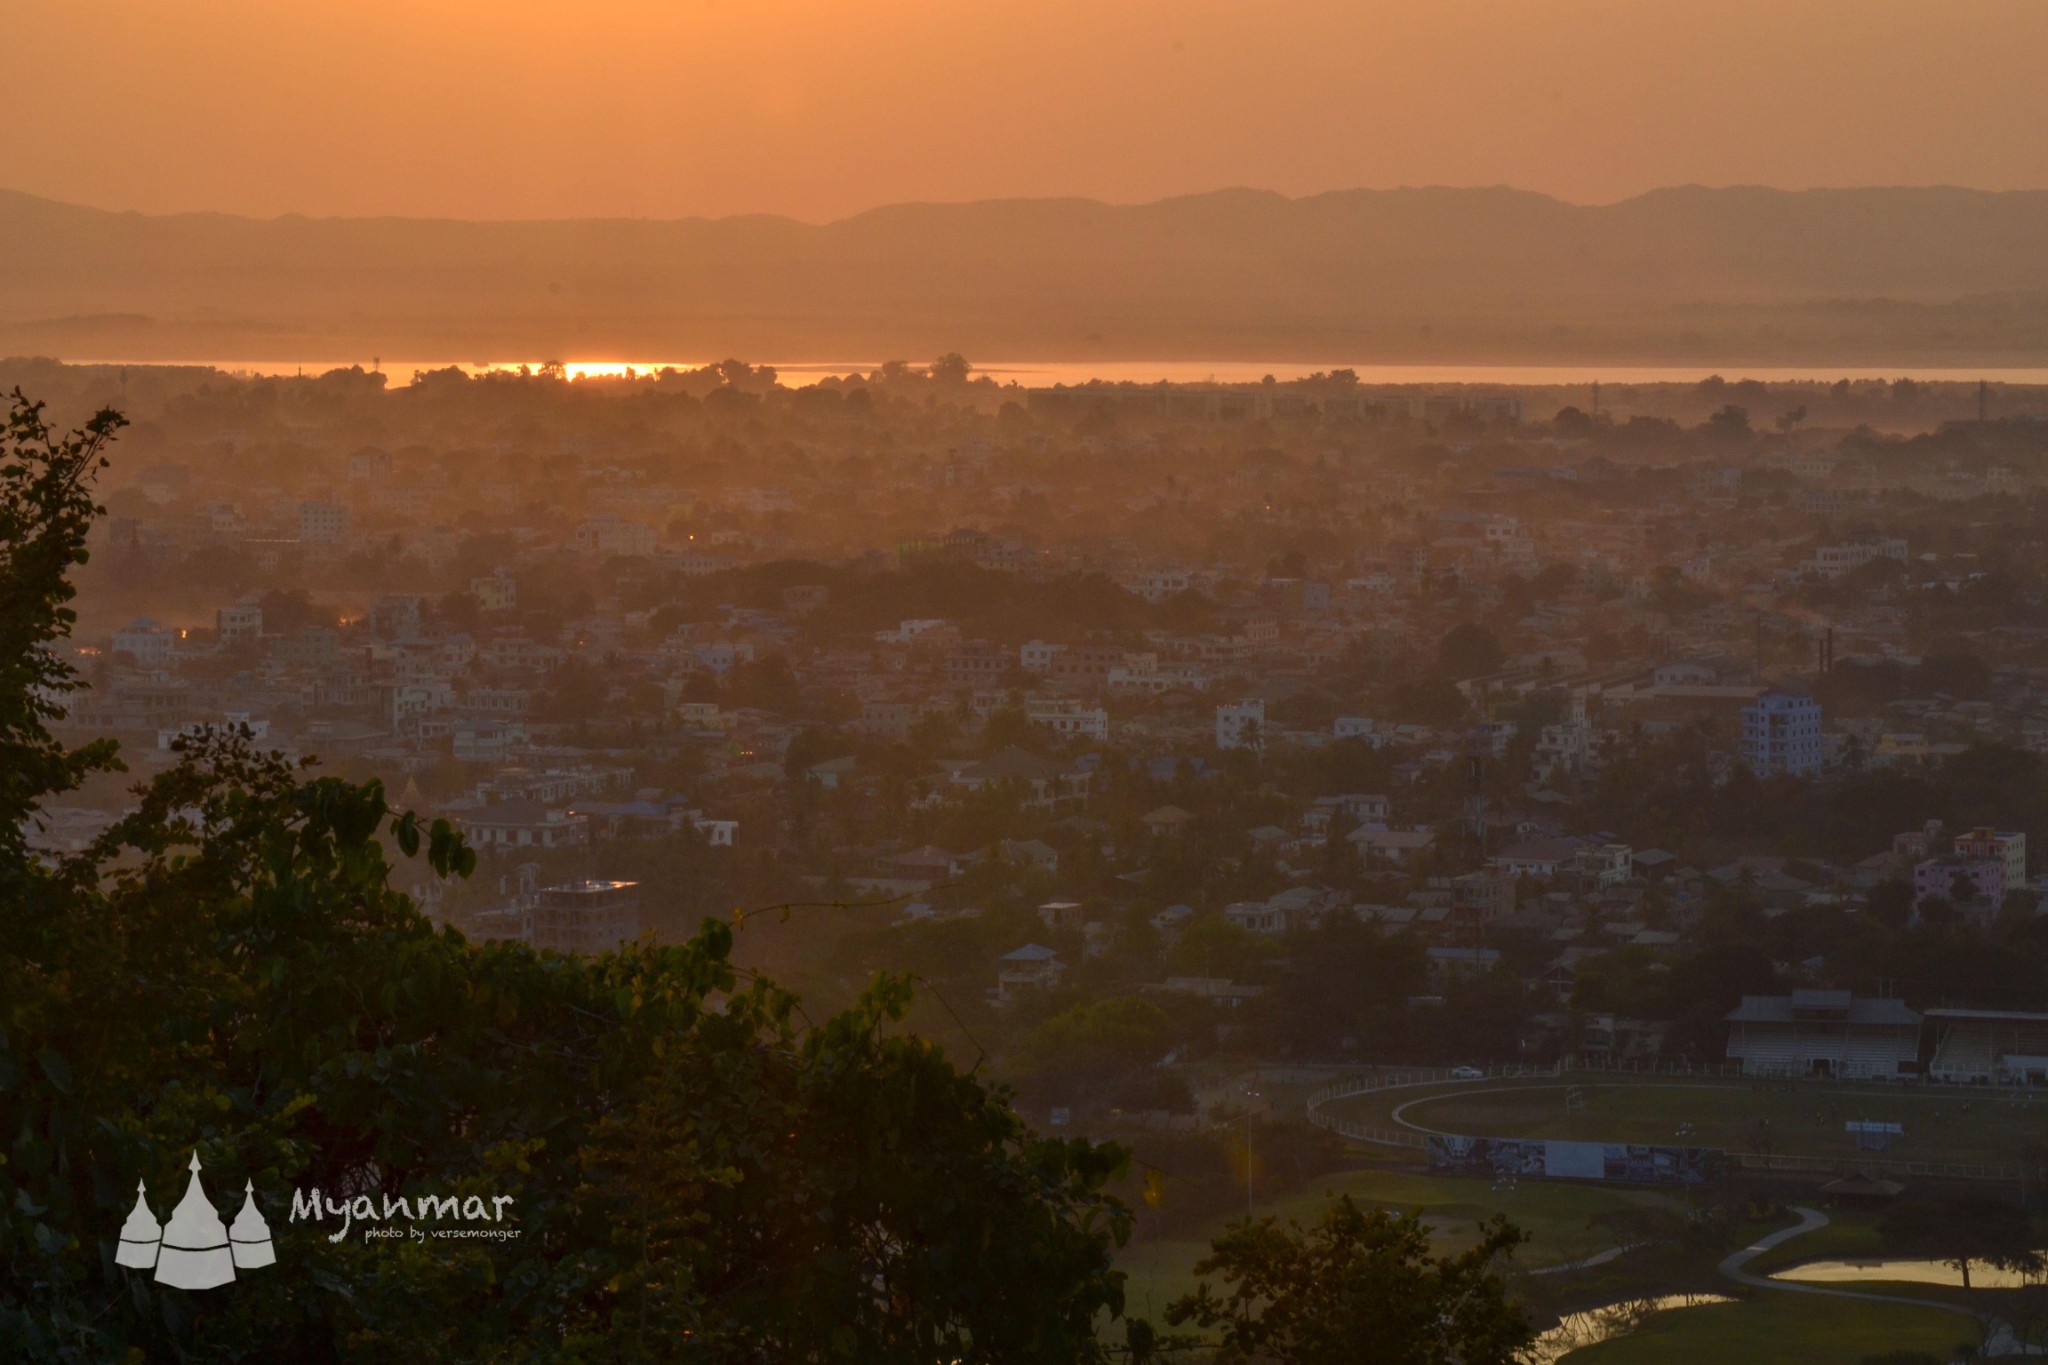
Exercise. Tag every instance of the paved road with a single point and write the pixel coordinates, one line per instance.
(1587, 1263)
(2000, 1342)
(1810, 1220)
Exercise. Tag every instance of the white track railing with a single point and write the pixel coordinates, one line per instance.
(1407, 1078)
(1402, 1079)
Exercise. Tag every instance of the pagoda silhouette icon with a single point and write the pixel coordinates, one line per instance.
(195, 1250)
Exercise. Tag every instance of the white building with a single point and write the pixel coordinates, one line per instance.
(256, 729)
(323, 523)
(242, 621)
(720, 658)
(1039, 656)
(1359, 728)
(589, 916)
(2006, 847)
(1824, 1033)
(1832, 561)
(1256, 917)
(908, 631)
(1241, 725)
(1069, 720)
(1157, 587)
(1781, 735)
(525, 824)
(499, 591)
(1032, 967)
(609, 534)
(149, 642)
(485, 741)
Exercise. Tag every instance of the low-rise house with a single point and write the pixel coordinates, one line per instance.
(1069, 719)
(485, 741)
(1483, 897)
(1398, 846)
(1032, 853)
(1170, 921)
(1541, 858)
(1599, 866)
(1031, 967)
(1043, 783)
(525, 824)
(1063, 914)
(833, 773)
(1166, 820)
(929, 861)
(1460, 963)
(1256, 917)
(1214, 989)
(889, 719)
(717, 833)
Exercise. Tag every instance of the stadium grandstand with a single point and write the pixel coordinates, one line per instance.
(1825, 1033)
(1988, 1047)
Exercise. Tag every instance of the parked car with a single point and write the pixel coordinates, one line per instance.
(1467, 1073)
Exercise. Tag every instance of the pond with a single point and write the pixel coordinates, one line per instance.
(1982, 1275)
(1575, 1331)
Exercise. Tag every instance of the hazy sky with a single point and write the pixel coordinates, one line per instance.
(818, 108)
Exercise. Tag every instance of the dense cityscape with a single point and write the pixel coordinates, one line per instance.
(1322, 684)
(1255, 727)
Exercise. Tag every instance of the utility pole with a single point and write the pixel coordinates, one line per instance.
(1249, 1096)
(1248, 1163)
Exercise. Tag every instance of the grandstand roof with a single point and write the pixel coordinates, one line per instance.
(1779, 1009)
(2016, 1016)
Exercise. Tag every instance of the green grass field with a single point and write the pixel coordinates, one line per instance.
(1558, 1217)
(1802, 1118)
(1568, 1222)
(1850, 1235)
(1770, 1327)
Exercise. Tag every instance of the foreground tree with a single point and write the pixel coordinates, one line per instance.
(1360, 1284)
(689, 1171)
(1961, 1231)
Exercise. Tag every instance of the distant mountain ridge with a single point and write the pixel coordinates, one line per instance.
(1500, 273)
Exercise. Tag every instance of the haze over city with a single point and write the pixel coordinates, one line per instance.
(494, 109)
(1024, 682)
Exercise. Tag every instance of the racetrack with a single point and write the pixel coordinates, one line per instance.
(1766, 1118)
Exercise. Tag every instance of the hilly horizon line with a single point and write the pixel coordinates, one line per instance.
(1682, 274)
(1240, 193)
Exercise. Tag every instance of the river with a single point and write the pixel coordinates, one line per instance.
(1038, 373)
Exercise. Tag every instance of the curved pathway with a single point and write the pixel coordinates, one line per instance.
(1399, 1114)
(2000, 1342)
(1588, 1262)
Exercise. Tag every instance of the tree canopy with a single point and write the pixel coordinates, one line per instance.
(695, 1170)
(1359, 1283)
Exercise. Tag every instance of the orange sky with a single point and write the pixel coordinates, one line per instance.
(660, 108)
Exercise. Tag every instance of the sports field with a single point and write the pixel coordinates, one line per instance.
(1568, 1222)
(1801, 1328)
(1563, 1222)
(1784, 1118)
